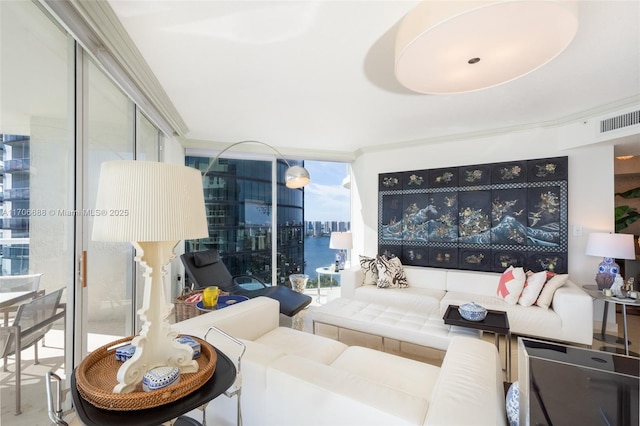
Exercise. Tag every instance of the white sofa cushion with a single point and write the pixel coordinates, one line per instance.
(410, 298)
(432, 279)
(403, 374)
(469, 388)
(335, 396)
(292, 342)
(485, 283)
(391, 321)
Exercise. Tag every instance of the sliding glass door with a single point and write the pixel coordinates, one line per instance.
(37, 178)
(108, 286)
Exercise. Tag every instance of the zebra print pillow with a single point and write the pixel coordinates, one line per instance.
(390, 273)
(368, 265)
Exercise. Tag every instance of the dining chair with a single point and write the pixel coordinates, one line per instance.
(32, 321)
(12, 283)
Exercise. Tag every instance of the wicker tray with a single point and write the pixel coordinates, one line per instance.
(96, 378)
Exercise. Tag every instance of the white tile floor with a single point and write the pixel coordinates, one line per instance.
(34, 404)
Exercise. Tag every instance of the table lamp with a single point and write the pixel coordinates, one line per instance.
(341, 241)
(154, 206)
(610, 247)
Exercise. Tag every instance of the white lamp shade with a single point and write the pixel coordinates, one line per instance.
(462, 46)
(149, 201)
(341, 240)
(615, 246)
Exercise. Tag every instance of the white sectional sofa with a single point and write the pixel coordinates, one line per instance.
(431, 291)
(291, 377)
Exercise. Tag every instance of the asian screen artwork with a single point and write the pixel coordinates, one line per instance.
(483, 217)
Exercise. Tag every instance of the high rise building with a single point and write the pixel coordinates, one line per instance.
(238, 202)
(15, 194)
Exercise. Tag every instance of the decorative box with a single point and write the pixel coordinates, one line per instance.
(189, 341)
(125, 352)
(159, 378)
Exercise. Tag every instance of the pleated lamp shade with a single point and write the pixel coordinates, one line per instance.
(149, 201)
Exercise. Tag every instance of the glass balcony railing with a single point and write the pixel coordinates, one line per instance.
(17, 194)
(17, 165)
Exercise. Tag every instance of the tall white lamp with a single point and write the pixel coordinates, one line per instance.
(341, 241)
(154, 206)
(610, 247)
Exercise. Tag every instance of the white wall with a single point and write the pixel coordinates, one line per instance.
(591, 182)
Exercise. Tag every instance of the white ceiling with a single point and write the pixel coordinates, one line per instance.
(319, 74)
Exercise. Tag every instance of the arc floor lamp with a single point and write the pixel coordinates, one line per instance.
(295, 176)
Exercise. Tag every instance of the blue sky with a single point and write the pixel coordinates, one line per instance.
(325, 198)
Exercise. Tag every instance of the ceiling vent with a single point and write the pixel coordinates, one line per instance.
(624, 120)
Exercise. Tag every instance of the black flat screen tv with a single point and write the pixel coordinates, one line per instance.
(567, 385)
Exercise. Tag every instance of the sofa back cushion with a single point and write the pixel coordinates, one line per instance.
(484, 283)
(431, 278)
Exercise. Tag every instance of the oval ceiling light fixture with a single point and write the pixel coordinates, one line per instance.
(445, 47)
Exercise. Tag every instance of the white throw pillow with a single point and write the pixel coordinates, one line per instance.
(549, 289)
(390, 273)
(511, 284)
(368, 265)
(532, 287)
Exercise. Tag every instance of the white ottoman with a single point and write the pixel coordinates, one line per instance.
(419, 328)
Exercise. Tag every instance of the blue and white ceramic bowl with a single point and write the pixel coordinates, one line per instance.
(472, 311)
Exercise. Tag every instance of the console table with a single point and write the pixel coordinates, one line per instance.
(223, 377)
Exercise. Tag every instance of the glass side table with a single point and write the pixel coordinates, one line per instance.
(624, 302)
(326, 271)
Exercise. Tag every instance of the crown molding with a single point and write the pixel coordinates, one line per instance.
(579, 117)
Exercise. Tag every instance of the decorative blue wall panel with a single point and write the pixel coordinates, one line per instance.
(481, 217)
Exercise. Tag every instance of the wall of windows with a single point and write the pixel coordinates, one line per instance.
(239, 206)
(61, 116)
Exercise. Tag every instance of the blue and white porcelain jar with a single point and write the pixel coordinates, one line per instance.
(513, 404)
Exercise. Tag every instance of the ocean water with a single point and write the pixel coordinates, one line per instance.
(317, 254)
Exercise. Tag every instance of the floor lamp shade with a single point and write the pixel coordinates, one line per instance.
(149, 201)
